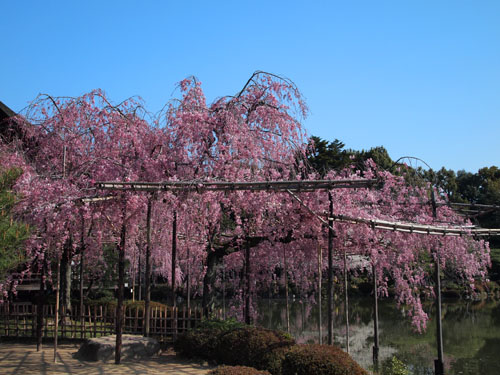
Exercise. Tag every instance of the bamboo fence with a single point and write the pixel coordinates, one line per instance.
(166, 322)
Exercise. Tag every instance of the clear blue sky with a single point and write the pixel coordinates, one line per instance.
(421, 78)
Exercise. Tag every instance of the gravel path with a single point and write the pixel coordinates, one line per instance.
(23, 359)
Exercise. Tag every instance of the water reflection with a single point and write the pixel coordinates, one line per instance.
(471, 333)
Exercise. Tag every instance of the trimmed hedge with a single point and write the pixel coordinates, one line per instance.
(320, 360)
(203, 342)
(199, 343)
(261, 348)
(234, 344)
(237, 370)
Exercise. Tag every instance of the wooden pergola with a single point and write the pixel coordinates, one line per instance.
(207, 186)
(297, 186)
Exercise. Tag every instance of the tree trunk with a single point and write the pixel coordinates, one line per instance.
(65, 306)
(209, 282)
(214, 258)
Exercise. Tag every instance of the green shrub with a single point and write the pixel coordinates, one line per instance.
(234, 343)
(96, 294)
(273, 360)
(198, 343)
(220, 325)
(257, 347)
(203, 341)
(237, 370)
(394, 366)
(320, 360)
(103, 300)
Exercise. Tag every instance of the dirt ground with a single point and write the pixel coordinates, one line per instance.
(23, 359)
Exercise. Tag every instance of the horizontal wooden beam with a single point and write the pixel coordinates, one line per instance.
(473, 206)
(96, 199)
(202, 186)
(417, 228)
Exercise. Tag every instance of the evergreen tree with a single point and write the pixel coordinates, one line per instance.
(12, 232)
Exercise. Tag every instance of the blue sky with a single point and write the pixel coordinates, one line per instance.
(421, 78)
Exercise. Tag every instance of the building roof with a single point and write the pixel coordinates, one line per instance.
(5, 112)
(9, 130)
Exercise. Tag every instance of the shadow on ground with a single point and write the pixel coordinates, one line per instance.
(16, 358)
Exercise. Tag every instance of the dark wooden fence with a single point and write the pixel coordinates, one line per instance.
(19, 320)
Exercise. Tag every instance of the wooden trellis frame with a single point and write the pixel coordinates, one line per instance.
(292, 187)
(204, 186)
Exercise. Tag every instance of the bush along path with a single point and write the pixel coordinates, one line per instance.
(232, 343)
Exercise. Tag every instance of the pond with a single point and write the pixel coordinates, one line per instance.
(471, 333)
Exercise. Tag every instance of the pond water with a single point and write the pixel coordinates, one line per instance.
(471, 333)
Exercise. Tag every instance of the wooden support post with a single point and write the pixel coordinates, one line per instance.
(119, 305)
(285, 271)
(147, 296)
(174, 257)
(346, 299)
(248, 288)
(188, 279)
(82, 321)
(82, 258)
(41, 300)
(174, 266)
(140, 279)
(223, 290)
(331, 235)
(176, 319)
(95, 321)
(375, 319)
(134, 276)
(56, 318)
(320, 311)
(438, 363)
